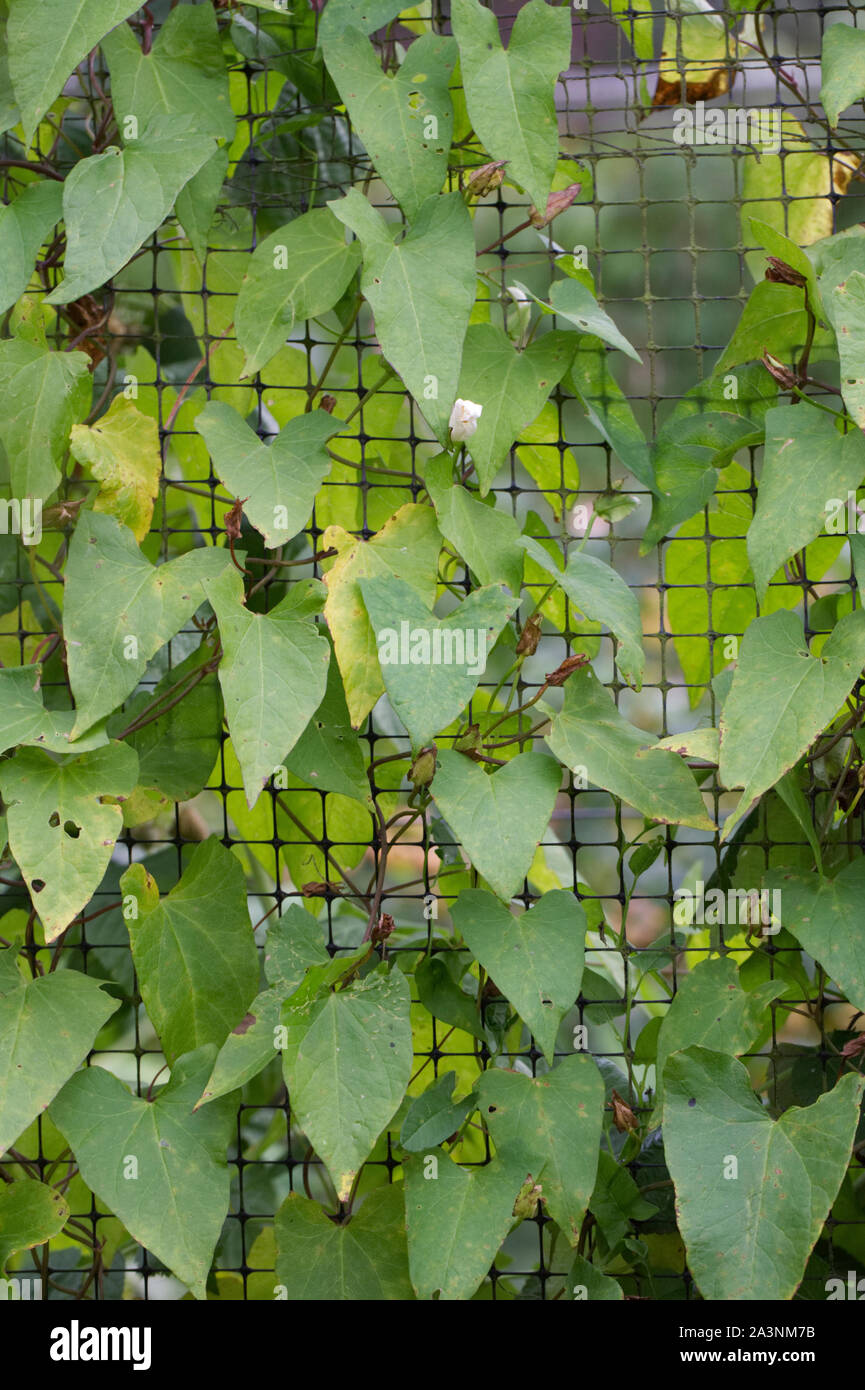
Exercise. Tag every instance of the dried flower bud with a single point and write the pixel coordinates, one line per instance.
(328, 403)
(556, 203)
(530, 636)
(486, 179)
(422, 770)
(567, 668)
(382, 929)
(321, 890)
(782, 374)
(234, 519)
(623, 1116)
(780, 273)
(854, 1047)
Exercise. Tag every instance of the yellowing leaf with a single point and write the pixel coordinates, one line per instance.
(122, 449)
(697, 49)
(791, 191)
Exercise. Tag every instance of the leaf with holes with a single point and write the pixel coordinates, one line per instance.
(711, 1008)
(535, 959)
(279, 481)
(751, 1238)
(406, 120)
(178, 1200)
(47, 1027)
(845, 305)
(63, 822)
(498, 818)
(552, 1125)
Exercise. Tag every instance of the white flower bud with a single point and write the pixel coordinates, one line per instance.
(464, 420)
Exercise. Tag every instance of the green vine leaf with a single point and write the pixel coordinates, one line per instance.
(511, 386)
(405, 121)
(195, 953)
(363, 1259)
(63, 825)
(294, 944)
(273, 675)
(535, 959)
(498, 818)
(347, 1061)
(24, 226)
(421, 323)
(296, 273)
(25, 720)
(30, 1213)
(806, 465)
(842, 63)
(47, 1027)
(750, 1238)
(407, 546)
(590, 735)
(35, 439)
(113, 201)
(159, 1167)
(434, 1116)
(781, 698)
(511, 94)
(552, 1125)
(457, 1218)
(600, 594)
(713, 1009)
(487, 539)
(120, 610)
(75, 26)
(431, 666)
(824, 914)
(279, 481)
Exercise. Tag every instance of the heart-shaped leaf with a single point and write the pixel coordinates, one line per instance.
(278, 481)
(499, 818)
(753, 1193)
(364, 1259)
(47, 1027)
(431, 666)
(535, 959)
(157, 1165)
